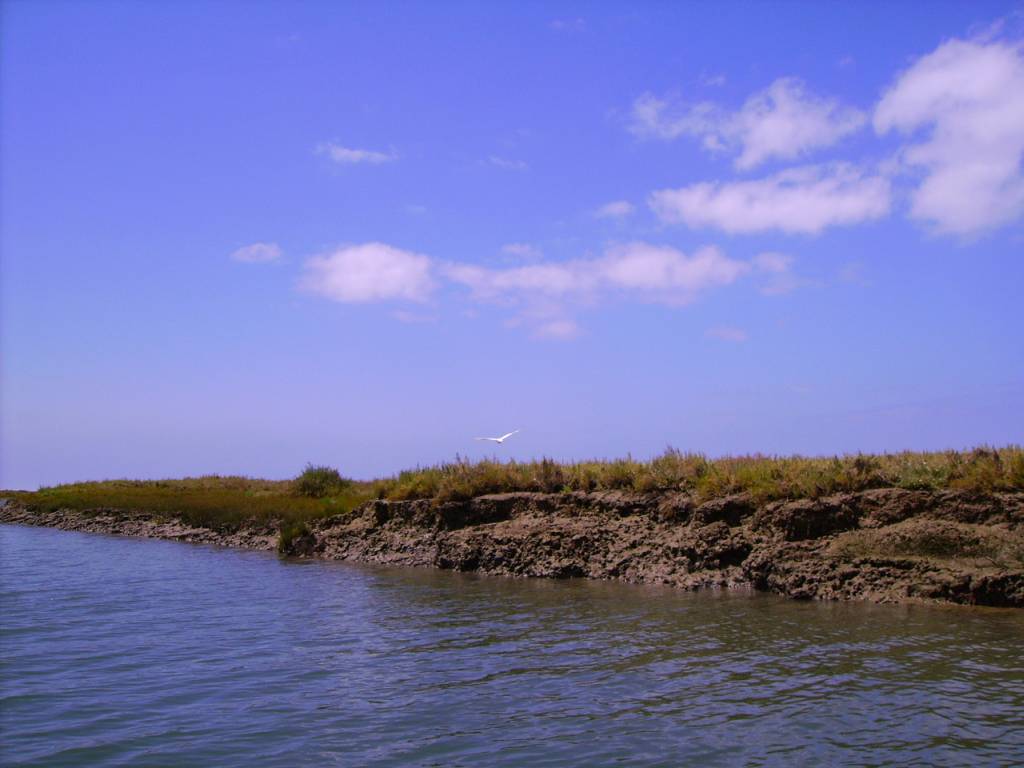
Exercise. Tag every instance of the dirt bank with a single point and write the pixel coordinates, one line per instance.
(887, 545)
(142, 524)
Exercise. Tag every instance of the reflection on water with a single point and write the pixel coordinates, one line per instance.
(119, 651)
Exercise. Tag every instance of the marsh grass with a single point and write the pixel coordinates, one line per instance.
(766, 478)
(212, 501)
(224, 503)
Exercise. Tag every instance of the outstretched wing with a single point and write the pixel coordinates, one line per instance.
(505, 437)
(492, 439)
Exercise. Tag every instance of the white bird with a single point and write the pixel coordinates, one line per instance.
(498, 440)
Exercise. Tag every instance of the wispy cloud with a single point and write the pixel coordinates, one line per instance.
(522, 251)
(550, 279)
(777, 268)
(782, 121)
(853, 272)
(546, 320)
(287, 40)
(651, 273)
(258, 253)
(541, 296)
(618, 209)
(773, 262)
(369, 272)
(413, 318)
(557, 329)
(544, 297)
(727, 333)
(576, 24)
(968, 95)
(802, 200)
(350, 156)
(507, 163)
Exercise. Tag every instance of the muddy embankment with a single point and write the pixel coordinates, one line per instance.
(886, 545)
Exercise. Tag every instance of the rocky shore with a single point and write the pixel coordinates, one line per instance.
(885, 545)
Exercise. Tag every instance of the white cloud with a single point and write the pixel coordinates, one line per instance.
(258, 253)
(542, 296)
(969, 96)
(348, 156)
(665, 274)
(369, 272)
(785, 121)
(649, 272)
(798, 200)
(506, 163)
(618, 209)
(782, 121)
(727, 333)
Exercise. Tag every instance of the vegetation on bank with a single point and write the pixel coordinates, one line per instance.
(320, 482)
(212, 501)
(226, 502)
(766, 478)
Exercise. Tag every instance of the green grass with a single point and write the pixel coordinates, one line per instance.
(224, 503)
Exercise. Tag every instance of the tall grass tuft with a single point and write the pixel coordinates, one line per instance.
(290, 531)
(318, 482)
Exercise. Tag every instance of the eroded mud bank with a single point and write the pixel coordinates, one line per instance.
(882, 545)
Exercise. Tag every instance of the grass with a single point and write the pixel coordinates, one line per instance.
(318, 482)
(983, 470)
(221, 503)
(290, 532)
(224, 503)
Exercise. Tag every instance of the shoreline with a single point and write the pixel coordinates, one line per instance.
(883, 545)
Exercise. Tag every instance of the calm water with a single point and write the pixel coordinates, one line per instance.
(131, 652)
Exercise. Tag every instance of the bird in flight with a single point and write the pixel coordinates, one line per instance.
(498, 440)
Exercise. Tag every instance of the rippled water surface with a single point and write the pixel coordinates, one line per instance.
(131, 652)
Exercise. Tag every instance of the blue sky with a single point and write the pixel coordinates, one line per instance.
(240, 237)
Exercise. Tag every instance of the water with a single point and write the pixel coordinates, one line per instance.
(145, 653)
